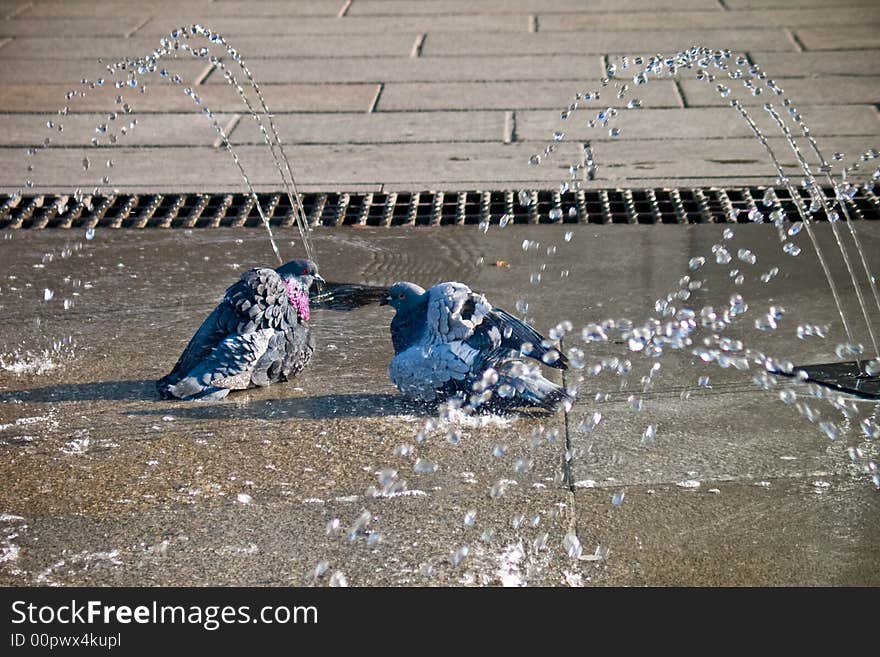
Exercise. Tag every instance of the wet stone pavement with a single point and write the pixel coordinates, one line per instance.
(105, 484)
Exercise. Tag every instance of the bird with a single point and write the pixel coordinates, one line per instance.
(450, 342)
(258, 335)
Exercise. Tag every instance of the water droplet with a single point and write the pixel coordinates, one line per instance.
(696, 263)
(590, 422)
(423, 466)
(614, 132)
(747, 256)
(830, 430)
(90, 234)
(572, 545)
(460, 555)
(48, 294)
(555, 214)
(649, 434)
(470, 518)
(338, 579)
(568, 235)
(617, 499)
(791, 249)
(505, 219)
(244, 498)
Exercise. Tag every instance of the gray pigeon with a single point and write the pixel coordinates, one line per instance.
(451, 342)
(259, 334)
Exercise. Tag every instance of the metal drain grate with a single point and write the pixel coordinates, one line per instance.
(432, 208)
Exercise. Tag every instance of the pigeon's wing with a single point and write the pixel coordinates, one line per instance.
(345, 296)
(229, 366)
(428, 371)
(457, 313)
(454, 311)
(516, 335)
(257, 300)
(201, 344)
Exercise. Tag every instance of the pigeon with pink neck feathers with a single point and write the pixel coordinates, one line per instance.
(258, 335)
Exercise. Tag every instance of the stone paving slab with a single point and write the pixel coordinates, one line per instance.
(152, 498)
(39, 27)
(302, 46)
(819, 535)
(53, 71)
(271, 26)
(839, 38)
(686, 20)
(632, 159)
(188, 129)
(380, 127)
(421, 165)
(404, 7)
(211, 169)
(529, 181)
(584, 42)
(281, 543)
(510, 95)
(794, 4)
(786, 65)
(168, 98)
(815, 91)
(191, 11)
(193, 129)
(814, 64)
(698, 123)
(537, 68)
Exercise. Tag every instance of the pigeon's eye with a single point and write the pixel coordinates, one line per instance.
(305, 271)
(401, 295)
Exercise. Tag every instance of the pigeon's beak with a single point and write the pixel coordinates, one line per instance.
(384, 301)
(320, 279)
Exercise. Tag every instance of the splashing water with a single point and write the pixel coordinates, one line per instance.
(179, 41)
(673, 326)
(678, 325)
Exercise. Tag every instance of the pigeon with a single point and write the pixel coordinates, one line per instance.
(258, 335)
(450, 342)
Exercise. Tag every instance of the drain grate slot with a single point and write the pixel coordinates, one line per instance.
(421, 208)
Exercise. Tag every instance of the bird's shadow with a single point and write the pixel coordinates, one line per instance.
(238, 406)
(133, 390)
(318, 407)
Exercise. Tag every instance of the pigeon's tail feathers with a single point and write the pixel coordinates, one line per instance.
(190, 389)
(531, 387)
(517, 335)
(163, 386)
